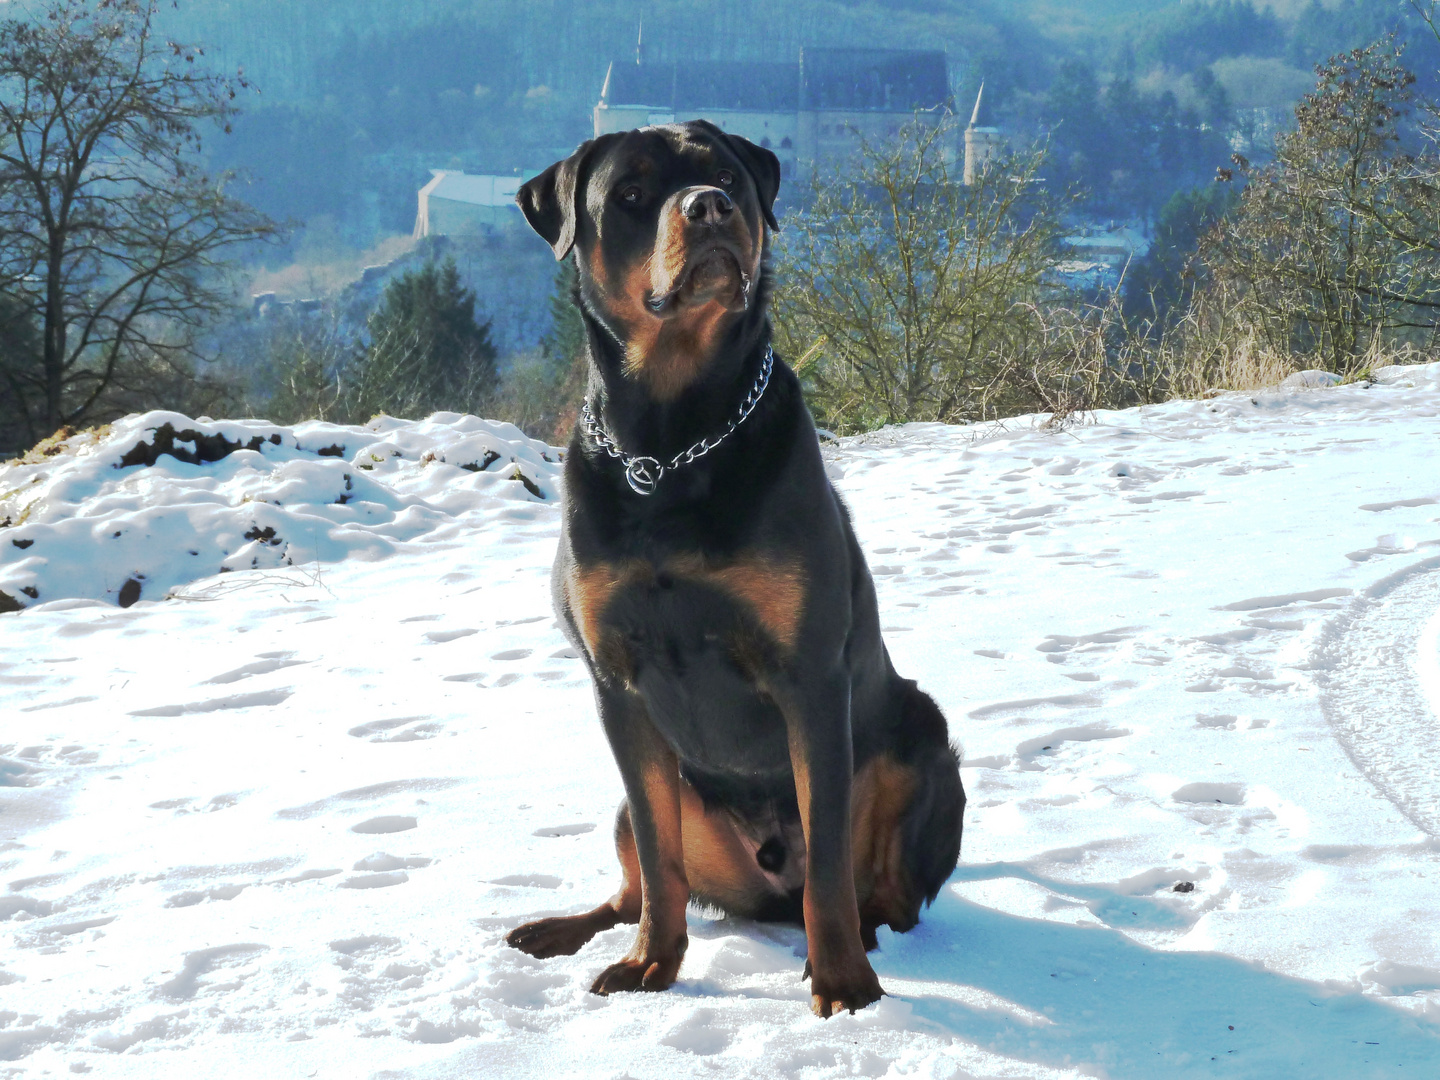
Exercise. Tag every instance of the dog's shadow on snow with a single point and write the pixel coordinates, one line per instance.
(1088, 997)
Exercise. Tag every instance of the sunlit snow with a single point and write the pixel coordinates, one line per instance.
(275, 821)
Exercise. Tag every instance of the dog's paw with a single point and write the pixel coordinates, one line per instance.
(846, 990)
(649, 973)
(545, 938)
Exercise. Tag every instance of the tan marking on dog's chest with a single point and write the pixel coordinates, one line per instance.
(588, 590)
(773, 590)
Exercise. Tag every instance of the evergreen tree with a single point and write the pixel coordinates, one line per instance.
(1160, 286)
(426, 351)
(565, 342)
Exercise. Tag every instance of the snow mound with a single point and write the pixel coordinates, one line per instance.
(151, 503)
(1408, 376)
(1309, 379)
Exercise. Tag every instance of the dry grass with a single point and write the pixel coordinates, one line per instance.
(1084, 358)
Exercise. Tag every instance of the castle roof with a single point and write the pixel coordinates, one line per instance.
(469, 188)
(881, 80)
(884, 80)
(704, 84)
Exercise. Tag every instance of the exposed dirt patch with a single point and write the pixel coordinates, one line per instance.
(207, 447)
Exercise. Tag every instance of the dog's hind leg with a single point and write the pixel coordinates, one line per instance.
(566, 935)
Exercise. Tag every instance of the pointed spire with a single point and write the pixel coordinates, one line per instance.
(640, 41)
(605, 90)
(975, 118)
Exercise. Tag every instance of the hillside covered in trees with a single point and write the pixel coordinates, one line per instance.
(358, 100)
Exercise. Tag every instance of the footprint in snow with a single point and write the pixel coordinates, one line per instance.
(264, 666)
(565, 830)
(367, 945)
(376, 730)
(1088, 733)
(1226, 794)
(47, 705)
(529, 881)
(183, 806)
(307, 875)
(440, 637)
(186, 984)
(1389, 544)
(699, 1034)
(366, 794)
(388, 823)
(39, 881)
(375, 881)
(1261, 603)
(381, 861)
(1217, 722)
(1058, 646)
(1025, 704)
(235, 701)
(197, 896)
(1380, 508)
(171, 804)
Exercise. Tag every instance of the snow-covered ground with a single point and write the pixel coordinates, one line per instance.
(277, 825)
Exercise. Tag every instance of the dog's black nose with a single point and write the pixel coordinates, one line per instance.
(708, 205)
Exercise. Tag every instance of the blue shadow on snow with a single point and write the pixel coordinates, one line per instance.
(1130, 1012)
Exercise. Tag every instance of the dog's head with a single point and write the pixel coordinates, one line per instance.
(668, 226)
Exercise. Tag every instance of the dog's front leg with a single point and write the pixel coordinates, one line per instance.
(817, 720)
(651, 774)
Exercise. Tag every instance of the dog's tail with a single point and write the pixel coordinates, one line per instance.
(936, 815)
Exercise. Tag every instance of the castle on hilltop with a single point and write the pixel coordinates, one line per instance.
(811, 112)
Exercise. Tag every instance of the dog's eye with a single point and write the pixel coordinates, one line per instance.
(726, 178)
(630, 195)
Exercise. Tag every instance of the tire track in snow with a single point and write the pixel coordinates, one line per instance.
(1381, 688)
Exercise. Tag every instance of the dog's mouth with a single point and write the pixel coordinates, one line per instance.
(713, 273)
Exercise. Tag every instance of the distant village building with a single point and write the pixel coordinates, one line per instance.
(456, 203)
(810, 112)
(1101, 255)
(983, 141)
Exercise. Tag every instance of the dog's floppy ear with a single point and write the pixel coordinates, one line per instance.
(548, 201)
(763, 165)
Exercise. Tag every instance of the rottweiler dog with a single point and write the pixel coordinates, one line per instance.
(775, 766)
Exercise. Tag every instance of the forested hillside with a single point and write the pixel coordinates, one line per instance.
(1118, 116)
(359, 99)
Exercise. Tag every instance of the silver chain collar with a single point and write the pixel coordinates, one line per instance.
(643, 473)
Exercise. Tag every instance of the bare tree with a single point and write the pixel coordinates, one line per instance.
(902, 289)
(112, 241)
(1334, 249)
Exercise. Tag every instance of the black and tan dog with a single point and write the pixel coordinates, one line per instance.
(775, 765)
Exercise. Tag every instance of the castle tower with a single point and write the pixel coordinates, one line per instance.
(983, 141)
